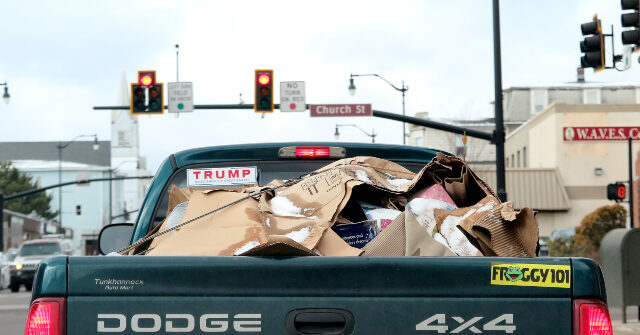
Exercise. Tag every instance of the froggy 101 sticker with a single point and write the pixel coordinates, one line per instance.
(541, 275)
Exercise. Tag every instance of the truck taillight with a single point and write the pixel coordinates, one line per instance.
(591, 317)
(46, 317)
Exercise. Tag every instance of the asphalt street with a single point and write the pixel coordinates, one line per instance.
(14, 308)
(13, 311)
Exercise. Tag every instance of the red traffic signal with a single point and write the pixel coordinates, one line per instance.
(147, 94)
(146, 78)
(263, 91)
(616, 192)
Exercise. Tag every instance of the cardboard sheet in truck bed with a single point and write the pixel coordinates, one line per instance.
(299, 217)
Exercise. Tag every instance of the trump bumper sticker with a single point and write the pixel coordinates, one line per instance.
(230, 176)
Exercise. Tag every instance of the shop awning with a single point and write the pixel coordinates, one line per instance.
(538, 189)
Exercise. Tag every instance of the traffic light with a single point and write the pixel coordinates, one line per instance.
(264, 91)
(616, 192)
(146, 94)
(593, 45)
(631, 19)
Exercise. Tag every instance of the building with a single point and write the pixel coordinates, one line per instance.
(585, 145)
(19, 227)
(522, 103)
(564, 180)
(84, 206)
(477, 153)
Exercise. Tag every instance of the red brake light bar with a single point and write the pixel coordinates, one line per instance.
(312, 152)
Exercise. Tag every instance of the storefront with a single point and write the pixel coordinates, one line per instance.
(585, 146)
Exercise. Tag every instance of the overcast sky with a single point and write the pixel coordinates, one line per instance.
(61, 58)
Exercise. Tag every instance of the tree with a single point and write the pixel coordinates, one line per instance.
(598, 223)
(563, 247)
(13, 181)
(595, 225)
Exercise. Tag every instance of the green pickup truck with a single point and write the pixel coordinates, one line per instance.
(306, 295)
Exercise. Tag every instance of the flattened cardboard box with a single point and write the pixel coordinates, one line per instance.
(305, 211)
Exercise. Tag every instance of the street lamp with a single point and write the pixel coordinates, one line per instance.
(372, 135)
(352, 91)
(6, 97)
(61, 147)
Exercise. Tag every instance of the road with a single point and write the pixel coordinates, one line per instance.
(13, 311)
(14, 308)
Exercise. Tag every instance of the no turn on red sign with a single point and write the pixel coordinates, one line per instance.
(292, 96)
(341, 110)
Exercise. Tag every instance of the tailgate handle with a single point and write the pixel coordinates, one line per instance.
(319, 321)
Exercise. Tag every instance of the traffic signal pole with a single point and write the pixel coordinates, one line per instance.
(631, 183)
(498, 135)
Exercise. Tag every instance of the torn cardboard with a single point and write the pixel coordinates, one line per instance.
(300, 215)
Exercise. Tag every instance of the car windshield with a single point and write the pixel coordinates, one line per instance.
(40, 249)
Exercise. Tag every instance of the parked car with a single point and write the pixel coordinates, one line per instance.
(6, 261)
(30, 254)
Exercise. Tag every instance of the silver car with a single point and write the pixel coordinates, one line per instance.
(30, 254)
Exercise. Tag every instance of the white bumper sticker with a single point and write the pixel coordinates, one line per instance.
(230, 176)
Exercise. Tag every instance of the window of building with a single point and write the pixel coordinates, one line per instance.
(591, 96)
(419, 141)
(518, 162)
(524, 157)
(539, 100)
(78, 210)
(507, 165)
(513, 160)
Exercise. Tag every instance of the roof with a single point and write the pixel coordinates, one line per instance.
(538, 189)
(269, 151)
(78, 151)
(576, 85)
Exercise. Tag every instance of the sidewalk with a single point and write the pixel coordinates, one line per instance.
(631, 327)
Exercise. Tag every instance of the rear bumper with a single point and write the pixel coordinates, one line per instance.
(22, 276)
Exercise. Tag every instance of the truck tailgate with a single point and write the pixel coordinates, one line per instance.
(378, 295)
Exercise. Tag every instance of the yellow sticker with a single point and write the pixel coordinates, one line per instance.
(541, 275)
